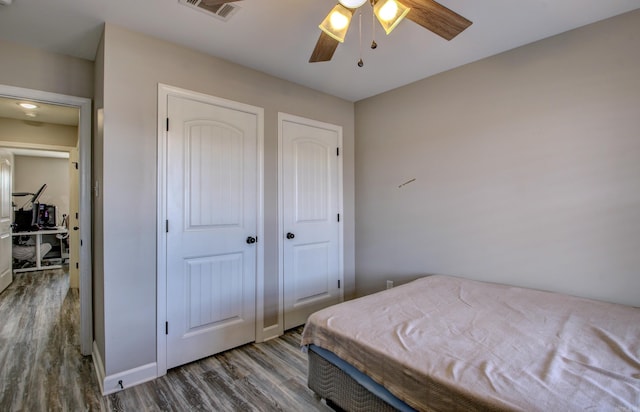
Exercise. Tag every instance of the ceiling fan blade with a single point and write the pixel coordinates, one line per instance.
(325, 47)
(436, 17)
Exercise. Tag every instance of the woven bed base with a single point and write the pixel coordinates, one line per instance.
(339, 389)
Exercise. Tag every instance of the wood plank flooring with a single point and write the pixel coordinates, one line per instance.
(41, 368)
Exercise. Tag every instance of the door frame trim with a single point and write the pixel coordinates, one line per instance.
(85, 218)
(282, 117)
(164, 91)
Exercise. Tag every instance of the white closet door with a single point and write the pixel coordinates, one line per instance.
(311, 227)
(212, 198)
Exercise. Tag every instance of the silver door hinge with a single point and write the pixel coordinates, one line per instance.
(167, 124)
(166, 328)
(338, 283)
(338, 217)
(167, 225)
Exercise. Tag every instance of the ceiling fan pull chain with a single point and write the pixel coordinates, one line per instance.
(373, 29)
(360, 62)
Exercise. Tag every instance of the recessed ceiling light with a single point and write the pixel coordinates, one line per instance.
(28, 105)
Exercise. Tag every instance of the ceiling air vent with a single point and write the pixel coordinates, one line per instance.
(215, 8)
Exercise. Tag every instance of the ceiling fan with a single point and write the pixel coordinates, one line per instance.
(427, 13)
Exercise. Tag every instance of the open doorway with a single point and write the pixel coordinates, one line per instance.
(44, 198)
(35, 151)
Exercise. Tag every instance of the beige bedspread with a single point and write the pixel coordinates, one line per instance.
(446, 343)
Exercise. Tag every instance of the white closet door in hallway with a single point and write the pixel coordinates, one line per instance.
(6, 275)
(311, 232)
(212, 201)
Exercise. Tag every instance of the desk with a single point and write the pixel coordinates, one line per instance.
(38, 234)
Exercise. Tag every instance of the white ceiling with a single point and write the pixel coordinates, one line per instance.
(277, 36)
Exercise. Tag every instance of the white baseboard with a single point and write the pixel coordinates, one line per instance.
(98, 366)
(271, 332)
(122, 380)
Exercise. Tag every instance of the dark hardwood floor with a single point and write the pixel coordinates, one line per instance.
(41, 368)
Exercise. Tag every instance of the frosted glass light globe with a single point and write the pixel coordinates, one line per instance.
(388, 11)
(352, 4)
(338, 20)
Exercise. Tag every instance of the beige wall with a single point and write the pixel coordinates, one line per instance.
(134, 64)
(30, 68)
(37, 133)
(526, 168)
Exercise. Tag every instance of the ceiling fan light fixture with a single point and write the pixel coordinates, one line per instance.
(337, 22)
(390, 13)
(352, 4)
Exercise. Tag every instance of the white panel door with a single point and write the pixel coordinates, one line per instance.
(212, 198)
(311, 202)
(6, 275)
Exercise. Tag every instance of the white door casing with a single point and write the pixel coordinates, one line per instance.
(213, 226)
(310, 211)
(73, 221)
(6, 168)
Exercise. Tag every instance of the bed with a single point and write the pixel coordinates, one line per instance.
(443, 343)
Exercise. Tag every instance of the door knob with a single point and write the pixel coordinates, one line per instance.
(290, 235)
(251, 240)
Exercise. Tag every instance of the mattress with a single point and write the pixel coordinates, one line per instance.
(446, 343)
